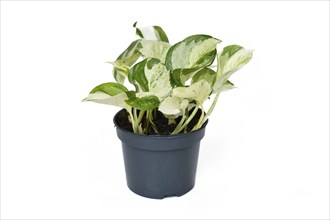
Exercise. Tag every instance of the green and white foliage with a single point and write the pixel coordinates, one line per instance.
(151, 33)
(230, 59)
(150, 75)
(154, 49)
(198, 91)
(175, 80)
(125, 60)
(173, 106)
(193, 52)
(110, 94)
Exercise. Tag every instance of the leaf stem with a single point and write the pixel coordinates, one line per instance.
(199, 123)
(132, 121)
(141, 113)
(179, 128)
(209, 112)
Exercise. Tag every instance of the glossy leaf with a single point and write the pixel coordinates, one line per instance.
(137, 77)
(180, 76)
(173, 106)
(109, 93)
(198, 91)
(144, 103)
(103, 98)
(154, 49)
(227, 86)
(152, 76)
(206, 73)
(110, 88)
(231, 59)
(125, 60)
(193, 52)
(151, 33)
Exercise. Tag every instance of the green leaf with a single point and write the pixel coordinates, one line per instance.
(103, 98)
(137, 77)
(206, 73)
(151, 76)
(154, 49)
(226, 53)
(145, 103)
(236, 61)
(125, 60)
(151, 33)
(193, 52)
(180, 76)
(231, 59)
(227, 86)
(173, 106)
(110, 88)
(198, 91)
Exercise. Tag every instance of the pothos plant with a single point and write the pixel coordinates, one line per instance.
(171, 81)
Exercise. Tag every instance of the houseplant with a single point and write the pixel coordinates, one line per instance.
(163, 118)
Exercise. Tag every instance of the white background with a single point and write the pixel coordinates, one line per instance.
(266, 151)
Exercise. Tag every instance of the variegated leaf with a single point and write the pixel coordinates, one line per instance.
(125, 60)
(154, 49)
(206, 73)
(173, 106)
(193, 52)
(231, 59)
(103, 98)
(145, 103)
(151, 33)
(198, 91)
(228, 86)
(110, 88)
(180, 76)
(150, 75)
(109, 93)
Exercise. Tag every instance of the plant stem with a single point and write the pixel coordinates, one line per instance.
(140, 116)
(180, 123)
(135, 113)
(179, 128)
(132, 121)
(148, 116)
(138, 122)
(199, 123)
(209, 112)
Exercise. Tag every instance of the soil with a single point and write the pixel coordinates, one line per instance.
(160, 121)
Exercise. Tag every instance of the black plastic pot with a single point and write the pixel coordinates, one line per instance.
(159, 166)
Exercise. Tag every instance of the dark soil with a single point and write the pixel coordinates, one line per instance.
(160, 121)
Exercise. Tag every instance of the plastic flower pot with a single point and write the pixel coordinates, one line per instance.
(159, 166)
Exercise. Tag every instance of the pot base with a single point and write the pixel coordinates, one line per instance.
(152, 195)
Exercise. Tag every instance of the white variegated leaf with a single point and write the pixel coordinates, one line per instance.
(103, 98)
(150, 75)
(193, 52)
(125, 60)
(228, 86)
(158, 80)
(154, 49)
(173, 106)
(235, 62)
(198, 91)
(231, 59)
(151, 33)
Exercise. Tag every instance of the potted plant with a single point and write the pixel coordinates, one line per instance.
(163, 118)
